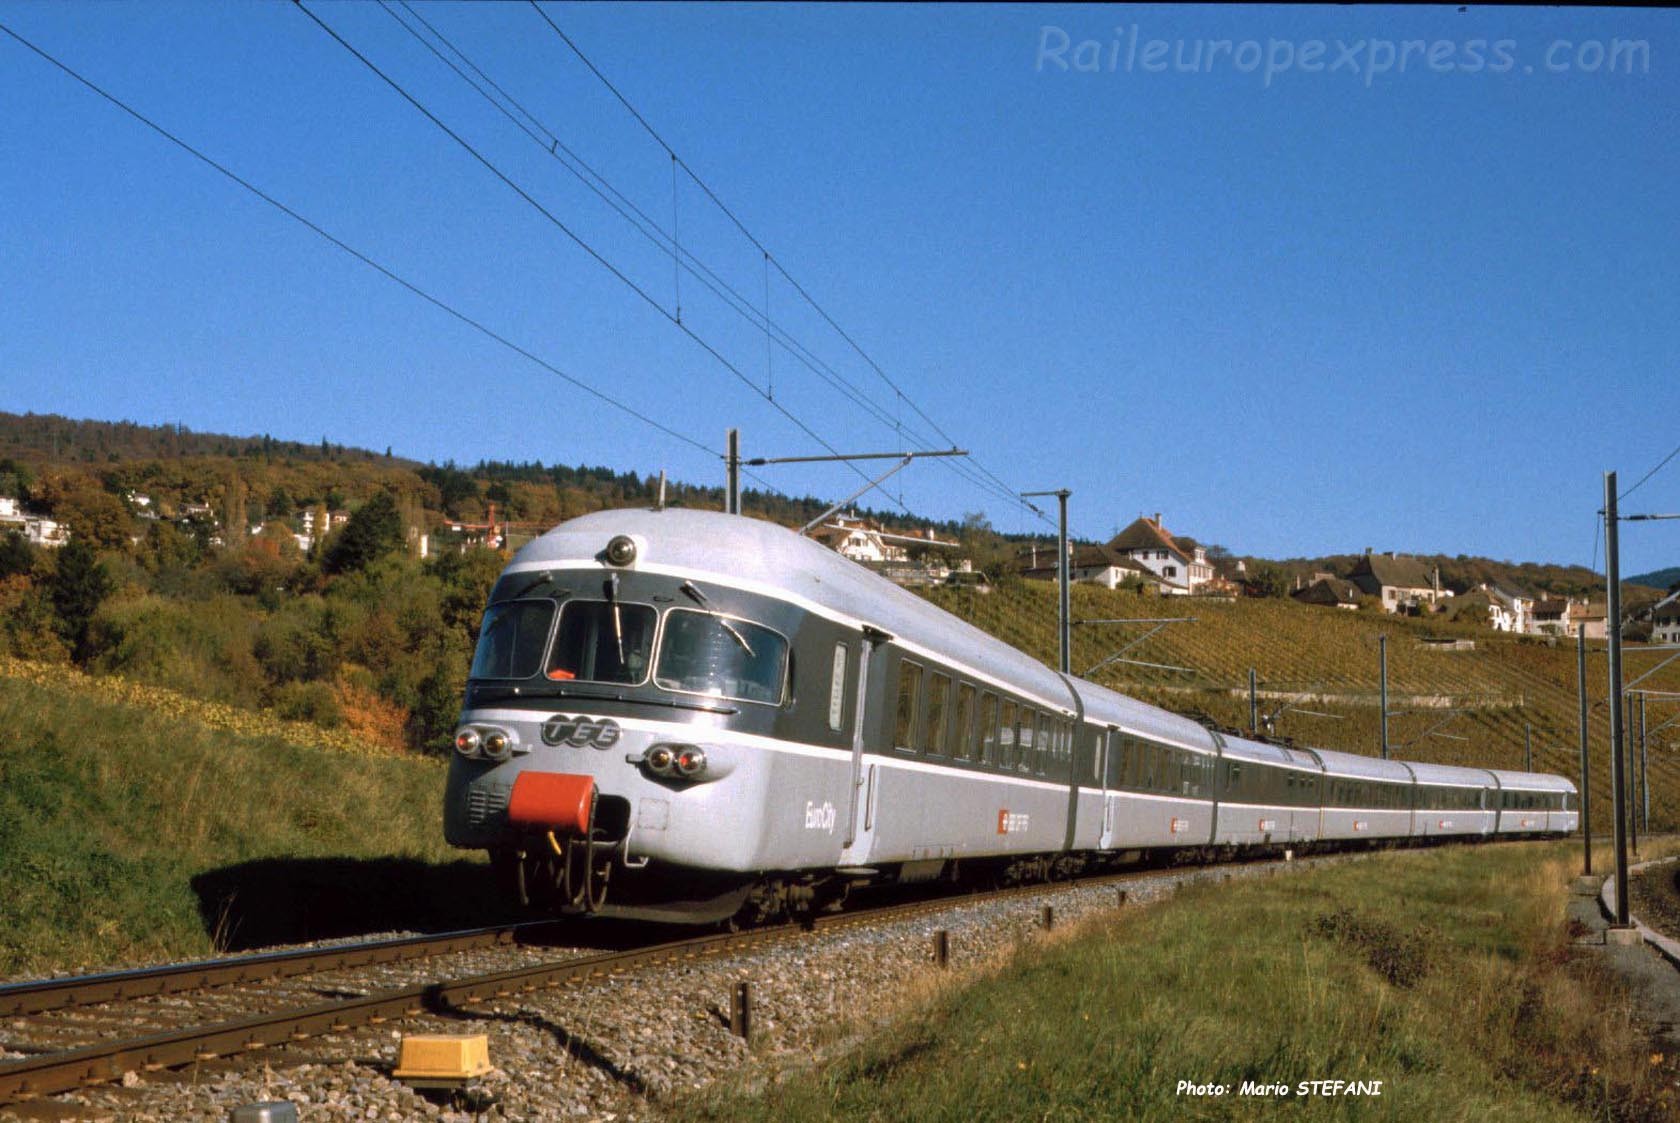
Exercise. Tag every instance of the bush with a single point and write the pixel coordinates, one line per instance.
(308, 701)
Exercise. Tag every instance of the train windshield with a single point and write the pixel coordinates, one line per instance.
(704, 653)
(512, 638)
(603, 641)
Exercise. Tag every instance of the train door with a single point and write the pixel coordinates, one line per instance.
(860, 817)
(1108, 750)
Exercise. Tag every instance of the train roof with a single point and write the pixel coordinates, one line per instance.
(762, 556)
(1241, 748)
(1363, 767)
(1532, 781)
(1112, 708)
(1451, 774)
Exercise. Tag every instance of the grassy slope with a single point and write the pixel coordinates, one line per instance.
(1485, 1014)
(1507, 683)
(132, 831)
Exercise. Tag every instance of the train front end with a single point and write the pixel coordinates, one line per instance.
(610, 753)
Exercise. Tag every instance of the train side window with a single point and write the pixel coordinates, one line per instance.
(961, 735)
(939, 706)
(1008, 736)
(1026, 742)
(985, 737)
(837, 689)
(1046, 744)
(909, 699)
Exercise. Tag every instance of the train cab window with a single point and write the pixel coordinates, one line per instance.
(986, 734)
(719, 656)
(939, 713)
(837, 688)
(962, 723)
(511, 639)
(909, 699)
(603, 641)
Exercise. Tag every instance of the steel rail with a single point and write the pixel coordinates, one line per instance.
(106, 1062)
(36, 996)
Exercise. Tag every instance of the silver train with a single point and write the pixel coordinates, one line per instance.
(689, 716)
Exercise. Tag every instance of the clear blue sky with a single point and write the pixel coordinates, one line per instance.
(1298, 312)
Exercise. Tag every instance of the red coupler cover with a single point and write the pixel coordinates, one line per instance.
(555, 801)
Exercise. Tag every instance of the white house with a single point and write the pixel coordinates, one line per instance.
(1094, 565)
(1183, 567)
(37, 529)
(859, 540)
(1665, 620)
(1510, 610)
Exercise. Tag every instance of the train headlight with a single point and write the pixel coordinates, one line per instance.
(496, 744)
(467, 742)
(691, 763)
(621, 550)
(660, 760)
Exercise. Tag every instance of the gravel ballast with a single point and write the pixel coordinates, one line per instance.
(614, 1048)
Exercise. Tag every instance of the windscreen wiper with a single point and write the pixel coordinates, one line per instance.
(738, 637)
(618, 623)
(540, 579)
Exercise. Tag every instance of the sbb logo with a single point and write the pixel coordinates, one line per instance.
(1011, 822)
(581, 731)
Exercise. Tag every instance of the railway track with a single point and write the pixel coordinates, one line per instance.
(38, 996)
(53, 1068)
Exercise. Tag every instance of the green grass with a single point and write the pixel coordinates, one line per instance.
(128, 834)
(1484, 1014)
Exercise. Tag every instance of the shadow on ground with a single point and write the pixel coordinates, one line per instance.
(290, 900)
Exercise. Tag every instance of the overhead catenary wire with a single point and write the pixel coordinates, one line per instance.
(637, 218)
(748, 234)
(565, 229)
(343, 246)
(667, 242)
(1661, 464)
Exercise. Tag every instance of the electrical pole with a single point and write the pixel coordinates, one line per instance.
(1586, 781)
(1613, 614)
(1528, 747)
(1644, 776)
(1631, 771)
(732, 477)
(1063, 625)
(1382, 666)
(1253, 703)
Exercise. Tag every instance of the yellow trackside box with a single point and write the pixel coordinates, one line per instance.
(447, 1057)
